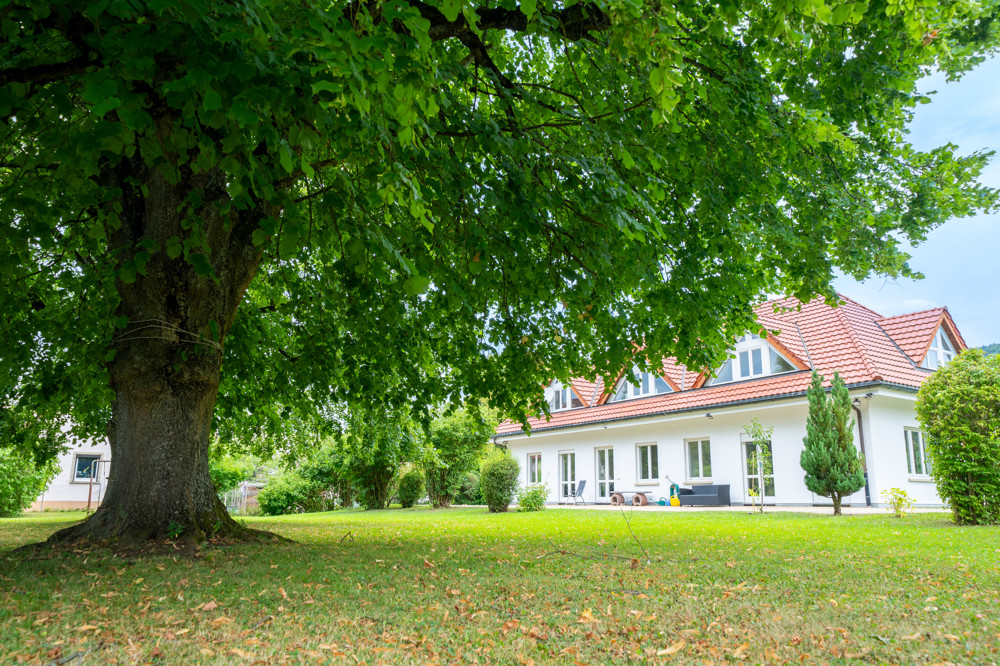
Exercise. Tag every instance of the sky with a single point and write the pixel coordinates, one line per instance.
(960, 260)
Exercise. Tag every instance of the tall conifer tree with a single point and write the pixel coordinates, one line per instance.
(831, 462)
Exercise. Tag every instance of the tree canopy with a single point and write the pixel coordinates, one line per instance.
(247, 208)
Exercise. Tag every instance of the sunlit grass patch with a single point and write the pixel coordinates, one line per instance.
(462, 585)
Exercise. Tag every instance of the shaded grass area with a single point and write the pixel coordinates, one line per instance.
(462, 585)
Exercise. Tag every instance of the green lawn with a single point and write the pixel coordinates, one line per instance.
(462, 585)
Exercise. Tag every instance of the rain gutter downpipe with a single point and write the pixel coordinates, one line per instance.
(864, 456)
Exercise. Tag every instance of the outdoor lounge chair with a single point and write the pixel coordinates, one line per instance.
(578, 495)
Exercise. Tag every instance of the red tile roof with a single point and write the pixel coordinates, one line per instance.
(863, 346)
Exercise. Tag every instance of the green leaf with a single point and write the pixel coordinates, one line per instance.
(212, 100)
(416, 284)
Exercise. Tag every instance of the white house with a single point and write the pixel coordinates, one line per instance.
(82, 479)
(689, 427)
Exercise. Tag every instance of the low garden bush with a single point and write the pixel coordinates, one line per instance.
(287, 493)
(498, 476)
(411, 488)
(532, 498)
(22, 480)
(469, 492)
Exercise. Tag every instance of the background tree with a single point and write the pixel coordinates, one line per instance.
(830, 460)
(456, 442)
(22, 480)
(959, 408)
(468, 198)
(759, 463)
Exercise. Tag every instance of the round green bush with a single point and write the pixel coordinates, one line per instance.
(959, 407)
(411, 488)
(498, 479)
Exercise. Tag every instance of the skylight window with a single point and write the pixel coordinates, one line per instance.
(642, 384)
(752, 357)
(940, 352)
(561, 397)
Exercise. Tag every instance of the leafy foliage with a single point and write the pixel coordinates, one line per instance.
(661, 166)
(287, 492)
(411, 488)
(456, 442)
(22, 480)
(830, 460)
(229, 471)
(498, 478)
(899, 501)
(992, 349)
(532, 497)
(378, 444)
(470, 491)
(959, 408)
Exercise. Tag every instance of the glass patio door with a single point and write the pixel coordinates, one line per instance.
(753, 472)
(567, 476)
(605, 474)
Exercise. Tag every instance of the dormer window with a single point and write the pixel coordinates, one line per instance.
(752, 357)
(940, 352)
(561, 397)
(643, 384)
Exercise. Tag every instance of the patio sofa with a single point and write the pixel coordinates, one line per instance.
(708, 495)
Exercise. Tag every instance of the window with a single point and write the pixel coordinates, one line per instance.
(642, 384)
(752, 357)
(917, 462)
(941, 351)
(534, 468)
(84, 467)
(561, 397)
(649, 466)
(699, 453)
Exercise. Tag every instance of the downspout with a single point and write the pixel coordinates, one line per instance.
(864, 456)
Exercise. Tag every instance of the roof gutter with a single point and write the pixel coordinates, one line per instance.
(717, 405)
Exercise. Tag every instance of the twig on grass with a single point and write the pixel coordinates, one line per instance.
(349, 534)
(629, 523)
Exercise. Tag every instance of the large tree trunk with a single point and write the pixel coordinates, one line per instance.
(837, 500)
(167, 363)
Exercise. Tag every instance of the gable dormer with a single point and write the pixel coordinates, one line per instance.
(639, 385)
(562, 397)
(752, 357)
(940, 351)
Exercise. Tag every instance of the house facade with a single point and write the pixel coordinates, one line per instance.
(82, 479)
(649, 430)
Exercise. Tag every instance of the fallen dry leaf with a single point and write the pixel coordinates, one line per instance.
(510, 625)
(586, 616)
(738, 653)
(427, 564)
(673, 649)
(913, 637)
(281, 591)
(87, 627)
(951, 637)
(210, 606)
(221, 620)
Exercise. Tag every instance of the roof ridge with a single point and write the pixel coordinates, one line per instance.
(910, 314)
(860, 305)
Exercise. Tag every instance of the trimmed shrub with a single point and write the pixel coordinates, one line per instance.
(470, 492)
(899, 501)
(959, 408)
(286, 493)
(498, 477)
(411, 488)
(532, 498)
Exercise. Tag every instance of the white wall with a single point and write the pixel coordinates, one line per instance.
(65, 492)
(883, 419)
(889, 413)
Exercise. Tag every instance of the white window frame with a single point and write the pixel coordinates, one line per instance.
(924, 472)
(701, 459)
(941, 351)
(535, 458)
(560, 397)
(96, 457)
(644, 451)
(747, 345)
(630, 390)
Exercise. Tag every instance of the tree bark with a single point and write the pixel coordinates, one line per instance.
(837, 499)
(168, 357)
